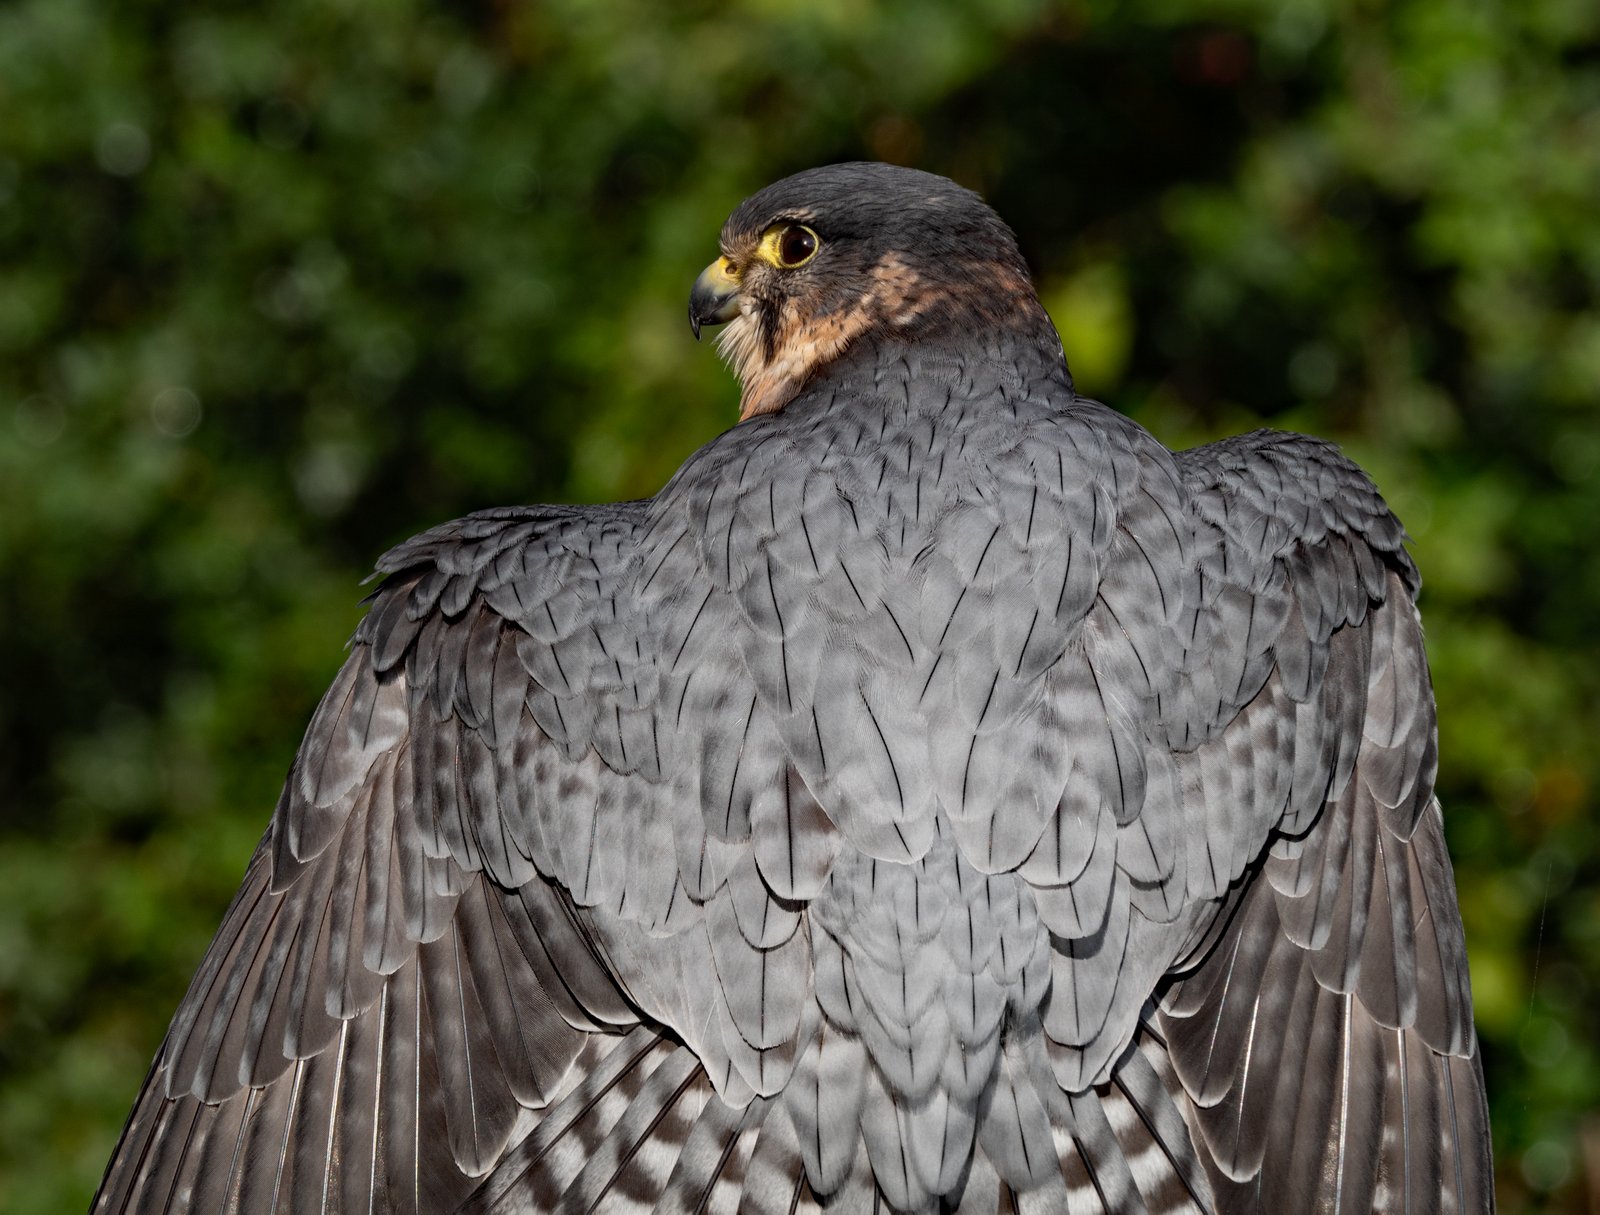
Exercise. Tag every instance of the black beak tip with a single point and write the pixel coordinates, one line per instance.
(694, 323)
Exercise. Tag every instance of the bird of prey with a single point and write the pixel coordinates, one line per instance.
(940, 796)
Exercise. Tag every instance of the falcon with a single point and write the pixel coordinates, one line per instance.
(940, 796)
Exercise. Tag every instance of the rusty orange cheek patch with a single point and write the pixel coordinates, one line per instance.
(896, 297)
(899, 294)
(801, 349)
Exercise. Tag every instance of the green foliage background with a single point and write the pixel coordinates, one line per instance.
(282, 284)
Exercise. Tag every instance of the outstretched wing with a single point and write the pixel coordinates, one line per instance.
(1325, 1037)
(404, 981)
(536, 824)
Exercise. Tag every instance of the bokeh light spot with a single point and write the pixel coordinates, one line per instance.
(175, 412)
(122, 149)
(39, 420)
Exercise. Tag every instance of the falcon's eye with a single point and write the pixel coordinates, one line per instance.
(796, 245)
(791, 246)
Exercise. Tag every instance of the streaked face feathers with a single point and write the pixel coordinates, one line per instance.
(834, 256)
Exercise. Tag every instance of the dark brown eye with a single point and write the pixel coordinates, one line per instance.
(796, 246)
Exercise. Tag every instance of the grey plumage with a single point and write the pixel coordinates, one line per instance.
(940, 795)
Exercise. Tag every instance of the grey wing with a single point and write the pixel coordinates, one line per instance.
(410, 981)
(1324, 1033)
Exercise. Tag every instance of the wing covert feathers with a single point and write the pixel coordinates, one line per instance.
(928, 801)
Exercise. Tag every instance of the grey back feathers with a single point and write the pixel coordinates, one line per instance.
(940, 796)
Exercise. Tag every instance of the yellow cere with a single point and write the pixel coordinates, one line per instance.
(722, 274)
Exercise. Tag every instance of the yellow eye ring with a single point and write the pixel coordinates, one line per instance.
(790, 246)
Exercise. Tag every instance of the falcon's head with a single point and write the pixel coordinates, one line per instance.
(827, 258)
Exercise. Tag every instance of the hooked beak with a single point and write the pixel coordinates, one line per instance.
(715, 298)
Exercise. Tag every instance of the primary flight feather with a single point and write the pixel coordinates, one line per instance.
(940, 796)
